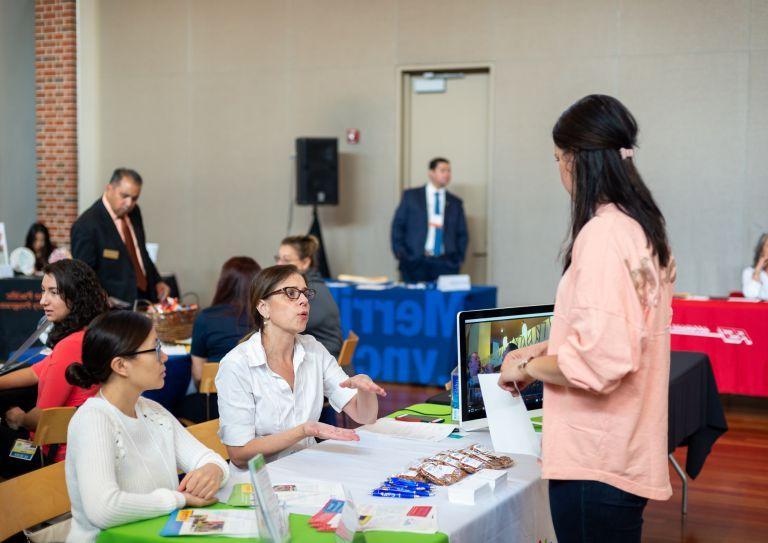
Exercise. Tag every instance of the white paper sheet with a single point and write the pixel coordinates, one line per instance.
(508, 419)
(415, 518)
(308, 494)
(421, 431)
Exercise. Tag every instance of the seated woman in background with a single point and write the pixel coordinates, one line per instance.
(125, 450)
(72, 298)
(219, 328)
(39, 242)
(755, 278)
(324, 320)
(271, 386)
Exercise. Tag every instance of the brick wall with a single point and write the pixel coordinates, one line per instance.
(56, 121)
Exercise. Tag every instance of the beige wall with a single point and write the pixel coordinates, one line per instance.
(205, 99)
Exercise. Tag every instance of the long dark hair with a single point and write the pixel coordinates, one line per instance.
(593, 130)
(264, 283)
(40, 259)
(234, 284)
(79, 287)
(112, 334)
(759, 249)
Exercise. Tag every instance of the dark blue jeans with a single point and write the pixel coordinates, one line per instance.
(593, 512)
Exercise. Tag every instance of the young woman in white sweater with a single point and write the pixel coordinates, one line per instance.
(124, 450)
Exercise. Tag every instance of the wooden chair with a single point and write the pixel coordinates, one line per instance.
(52, 427)
(345, 361)
(208, 385)
(348, 349)
(32, 498)
(206, 433)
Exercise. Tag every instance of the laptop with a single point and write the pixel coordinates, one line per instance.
(485, 337)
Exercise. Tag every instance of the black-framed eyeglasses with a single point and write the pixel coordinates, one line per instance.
(293, 293)
(158, 350)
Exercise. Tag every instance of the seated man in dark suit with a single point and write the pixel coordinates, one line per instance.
(109, 237)
(429, 231)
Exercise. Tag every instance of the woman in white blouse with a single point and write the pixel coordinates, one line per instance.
(271, 386)
(124, 451)
(755, 278)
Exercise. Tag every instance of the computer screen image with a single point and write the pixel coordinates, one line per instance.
(485, 337)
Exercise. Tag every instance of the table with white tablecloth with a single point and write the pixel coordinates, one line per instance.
(517, 512)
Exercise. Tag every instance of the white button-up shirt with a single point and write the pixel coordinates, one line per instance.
(254, 401)
(434, 220)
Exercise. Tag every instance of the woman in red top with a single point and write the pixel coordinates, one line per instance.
(72, 297)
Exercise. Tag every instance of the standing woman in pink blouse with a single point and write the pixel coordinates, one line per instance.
(606, 366)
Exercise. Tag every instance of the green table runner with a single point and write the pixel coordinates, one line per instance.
(147, 531)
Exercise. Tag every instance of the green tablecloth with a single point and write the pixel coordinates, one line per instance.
(146, 531)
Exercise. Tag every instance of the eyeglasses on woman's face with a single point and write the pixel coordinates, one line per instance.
(157, 350)
(293, 293)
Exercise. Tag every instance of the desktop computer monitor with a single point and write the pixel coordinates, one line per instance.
(485, 337)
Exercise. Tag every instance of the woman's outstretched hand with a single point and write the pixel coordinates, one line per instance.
(364, 383)
(326, 431)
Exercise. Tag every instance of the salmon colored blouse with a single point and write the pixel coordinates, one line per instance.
(610, 333)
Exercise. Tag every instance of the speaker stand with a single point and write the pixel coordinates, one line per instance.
(320, 258)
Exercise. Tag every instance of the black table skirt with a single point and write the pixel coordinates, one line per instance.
(696, 417)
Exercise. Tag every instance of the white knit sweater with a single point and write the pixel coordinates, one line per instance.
(120, 469)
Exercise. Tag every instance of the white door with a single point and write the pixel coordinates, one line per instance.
(446, 114)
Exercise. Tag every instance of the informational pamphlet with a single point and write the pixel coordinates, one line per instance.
(417, 519)
(346, 518)
(300, 494)
(229, 522)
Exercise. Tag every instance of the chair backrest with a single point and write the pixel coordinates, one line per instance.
(52, 426)
(206, 433)
(207, 380)
(32, 498)
(348, 349)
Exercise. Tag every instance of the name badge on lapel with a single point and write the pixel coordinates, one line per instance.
(112, 254)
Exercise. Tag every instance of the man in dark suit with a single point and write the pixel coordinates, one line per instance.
(109, 237)
(429, 231)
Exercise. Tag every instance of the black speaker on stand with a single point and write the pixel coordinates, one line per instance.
(317, 183)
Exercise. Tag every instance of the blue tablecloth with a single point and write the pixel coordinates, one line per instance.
(406, 335)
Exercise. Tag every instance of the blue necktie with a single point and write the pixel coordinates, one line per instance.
(438, 250)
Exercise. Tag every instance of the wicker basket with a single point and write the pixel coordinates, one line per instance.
(174, 326)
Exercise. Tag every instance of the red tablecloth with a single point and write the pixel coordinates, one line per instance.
(735, 336)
